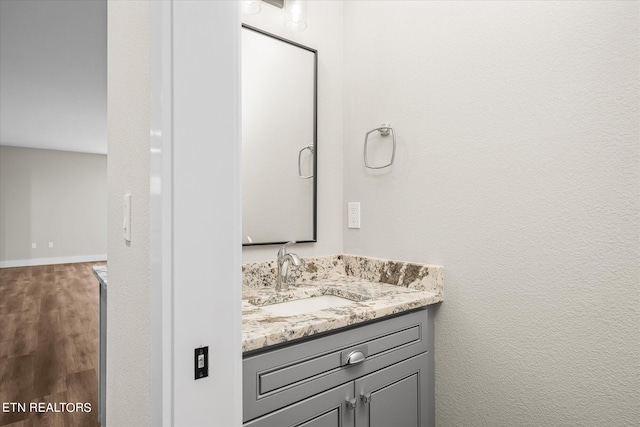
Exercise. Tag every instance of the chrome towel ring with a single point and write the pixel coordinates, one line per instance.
(385, 129)
(310, 148)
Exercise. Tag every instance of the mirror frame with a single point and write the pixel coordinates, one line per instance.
(315, 136)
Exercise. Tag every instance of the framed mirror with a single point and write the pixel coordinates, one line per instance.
(279, 139)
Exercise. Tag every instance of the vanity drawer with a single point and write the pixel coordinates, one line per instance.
(271, 380)
(277, 378)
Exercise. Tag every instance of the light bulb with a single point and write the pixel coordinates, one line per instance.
(251, 7)
(295, 15)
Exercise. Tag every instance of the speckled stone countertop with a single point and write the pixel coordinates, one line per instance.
(378, 288)
(100, 271)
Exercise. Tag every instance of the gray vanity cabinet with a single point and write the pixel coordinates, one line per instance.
(326, 409)
(379, 375)
(396, 396)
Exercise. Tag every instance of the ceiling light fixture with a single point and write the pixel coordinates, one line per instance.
(295, 11)
(295, 17)
(251, 7)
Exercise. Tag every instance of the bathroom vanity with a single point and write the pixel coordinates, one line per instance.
(350, 343)
(378, 374)
(368, 362)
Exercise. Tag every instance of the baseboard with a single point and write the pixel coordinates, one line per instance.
(49, 261)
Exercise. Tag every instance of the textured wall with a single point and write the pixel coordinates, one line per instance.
(129, 332)
(52, 196)
(517, 170)
(324, 33)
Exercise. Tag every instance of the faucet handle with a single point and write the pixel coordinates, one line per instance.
(283, 249)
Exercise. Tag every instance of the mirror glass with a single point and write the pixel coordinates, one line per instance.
(279, 146)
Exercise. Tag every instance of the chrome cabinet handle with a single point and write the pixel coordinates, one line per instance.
(356, 357)
(366, 398)
(351, 403)
(310, 148)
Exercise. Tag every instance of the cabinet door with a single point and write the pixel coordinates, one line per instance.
(328, 409)
(396, 396)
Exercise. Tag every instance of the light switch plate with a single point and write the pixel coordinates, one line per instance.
(126, 227)
(201, 362)
(353, 215)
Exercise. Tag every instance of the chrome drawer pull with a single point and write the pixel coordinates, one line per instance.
(356, 357)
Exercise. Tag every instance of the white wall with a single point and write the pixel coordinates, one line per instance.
(323, 33)
(53, 74)
(517, 170)
(207, 270)
(129, 330)
(43, 200)
(201, 269)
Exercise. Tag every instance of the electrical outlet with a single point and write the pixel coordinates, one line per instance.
(50, 245)
(34, 246)
(353, 215)
(201, 362)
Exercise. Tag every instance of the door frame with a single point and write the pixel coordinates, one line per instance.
(195, 216)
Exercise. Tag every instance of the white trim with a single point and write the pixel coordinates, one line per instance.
(53, 260)
(207, 214)
(161, 172)
(185, 103)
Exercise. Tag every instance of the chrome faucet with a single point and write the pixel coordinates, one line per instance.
(285, 259)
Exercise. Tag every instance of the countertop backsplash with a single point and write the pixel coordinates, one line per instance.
(422, 277)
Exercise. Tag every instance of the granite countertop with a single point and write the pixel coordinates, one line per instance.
(100, 271)
(378, 288)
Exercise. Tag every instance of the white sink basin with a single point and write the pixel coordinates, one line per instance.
(306, 305)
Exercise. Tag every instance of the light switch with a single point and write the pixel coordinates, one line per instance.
(200, 361)
(201, 365)
(127, 218)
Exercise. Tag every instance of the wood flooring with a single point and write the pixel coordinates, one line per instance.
(48, 344)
